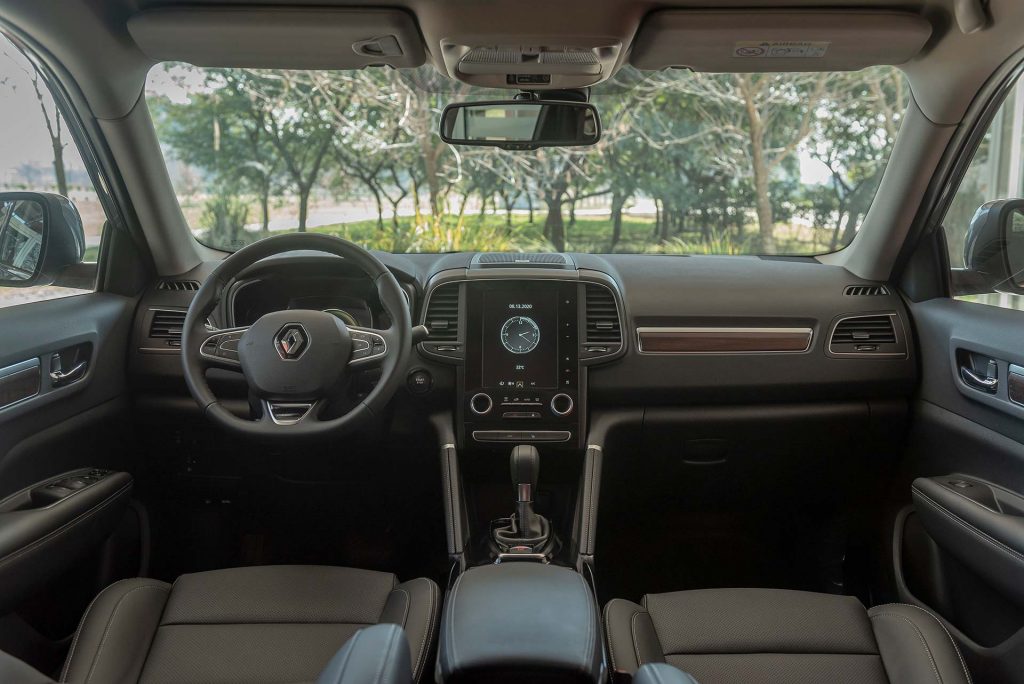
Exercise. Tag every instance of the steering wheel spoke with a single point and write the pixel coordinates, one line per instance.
(290, 412)
(369, 347)
(219, 349)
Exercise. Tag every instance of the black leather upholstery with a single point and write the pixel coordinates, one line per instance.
(520, 621)
(14, 671)
(753, 636)
(258, 624)
(375, 655)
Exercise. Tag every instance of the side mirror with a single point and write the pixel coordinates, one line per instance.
(521, 124)
(41, 234)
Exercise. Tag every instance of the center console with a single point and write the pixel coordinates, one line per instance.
(519, 622)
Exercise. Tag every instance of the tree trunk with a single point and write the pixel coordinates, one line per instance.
(529, 205)
(303, 207)
(663, 225)
(554, 227)
(265, 209)
(58, 166)
(763, 202)
(618, 201)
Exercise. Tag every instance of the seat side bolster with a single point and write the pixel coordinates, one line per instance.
(916, 648)
(632, 641)
(116, 632)
(415, 606)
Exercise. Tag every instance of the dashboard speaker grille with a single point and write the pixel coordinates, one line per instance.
(443, 313)
(521, 259)
(166, 324)
(864, 330)
(603, 325)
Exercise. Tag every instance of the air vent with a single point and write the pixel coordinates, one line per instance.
(868, 335)
(443, 313)
(603, 326)
(166, 324)
(525, 259)
(178, 285)
(866, 290)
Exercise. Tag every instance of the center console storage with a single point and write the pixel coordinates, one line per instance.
(520, 621)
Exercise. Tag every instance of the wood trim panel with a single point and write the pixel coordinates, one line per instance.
(723, 340)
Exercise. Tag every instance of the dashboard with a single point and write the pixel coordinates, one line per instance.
(526, 348)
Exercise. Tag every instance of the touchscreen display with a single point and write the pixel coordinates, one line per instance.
(520, 337)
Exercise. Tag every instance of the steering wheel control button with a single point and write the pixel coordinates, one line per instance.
(481, 404)
(366, 345)
(419, 382)
(561, 404)
(222, 346)
(291, 341)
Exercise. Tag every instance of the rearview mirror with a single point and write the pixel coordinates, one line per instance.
(521, 124)
(994, 247)
(41, 234)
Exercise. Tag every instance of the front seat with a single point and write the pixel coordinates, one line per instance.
(256, 624)
(755, 636)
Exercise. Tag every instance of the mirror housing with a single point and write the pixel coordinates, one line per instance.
(41, 235)
(994, 246)
(521, 124)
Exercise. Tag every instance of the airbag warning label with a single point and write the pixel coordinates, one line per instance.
(780, 48)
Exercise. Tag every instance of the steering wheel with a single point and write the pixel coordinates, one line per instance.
(296, 360)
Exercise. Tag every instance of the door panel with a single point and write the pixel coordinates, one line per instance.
(69, 422)
(959, 550)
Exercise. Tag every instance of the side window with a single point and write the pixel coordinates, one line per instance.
(995, 173)
(38, 154)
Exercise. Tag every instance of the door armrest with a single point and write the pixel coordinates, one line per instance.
(45, 528)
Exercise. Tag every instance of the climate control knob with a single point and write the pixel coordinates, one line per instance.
(481, 404)
(561, 404)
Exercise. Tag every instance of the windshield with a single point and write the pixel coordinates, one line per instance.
(687, 164)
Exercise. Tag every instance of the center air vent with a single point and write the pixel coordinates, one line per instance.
(603, 334)
(442, 319)
(866, 290)
(519, 260)
(871, 335)
(166, 324)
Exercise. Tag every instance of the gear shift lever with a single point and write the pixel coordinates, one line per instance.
(525, 466)
(526, 530)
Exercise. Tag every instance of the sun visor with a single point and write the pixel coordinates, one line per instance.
(777, 40)
(279, 38)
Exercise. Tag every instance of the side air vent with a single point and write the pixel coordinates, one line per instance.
(521, 260)
(866, 291)
(603, 333)
(442, 318)
(870, 335)
(178, 285)
(166, 325)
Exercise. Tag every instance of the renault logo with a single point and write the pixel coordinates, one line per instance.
(291, 341)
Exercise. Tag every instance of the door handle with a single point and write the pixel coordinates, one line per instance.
(59, 377)
(985, 384)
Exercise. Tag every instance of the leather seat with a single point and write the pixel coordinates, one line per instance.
(256, 624)
(754, 636)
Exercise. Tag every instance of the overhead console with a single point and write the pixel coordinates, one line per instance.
(523, 329)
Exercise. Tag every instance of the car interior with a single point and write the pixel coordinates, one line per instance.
(769, 427)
